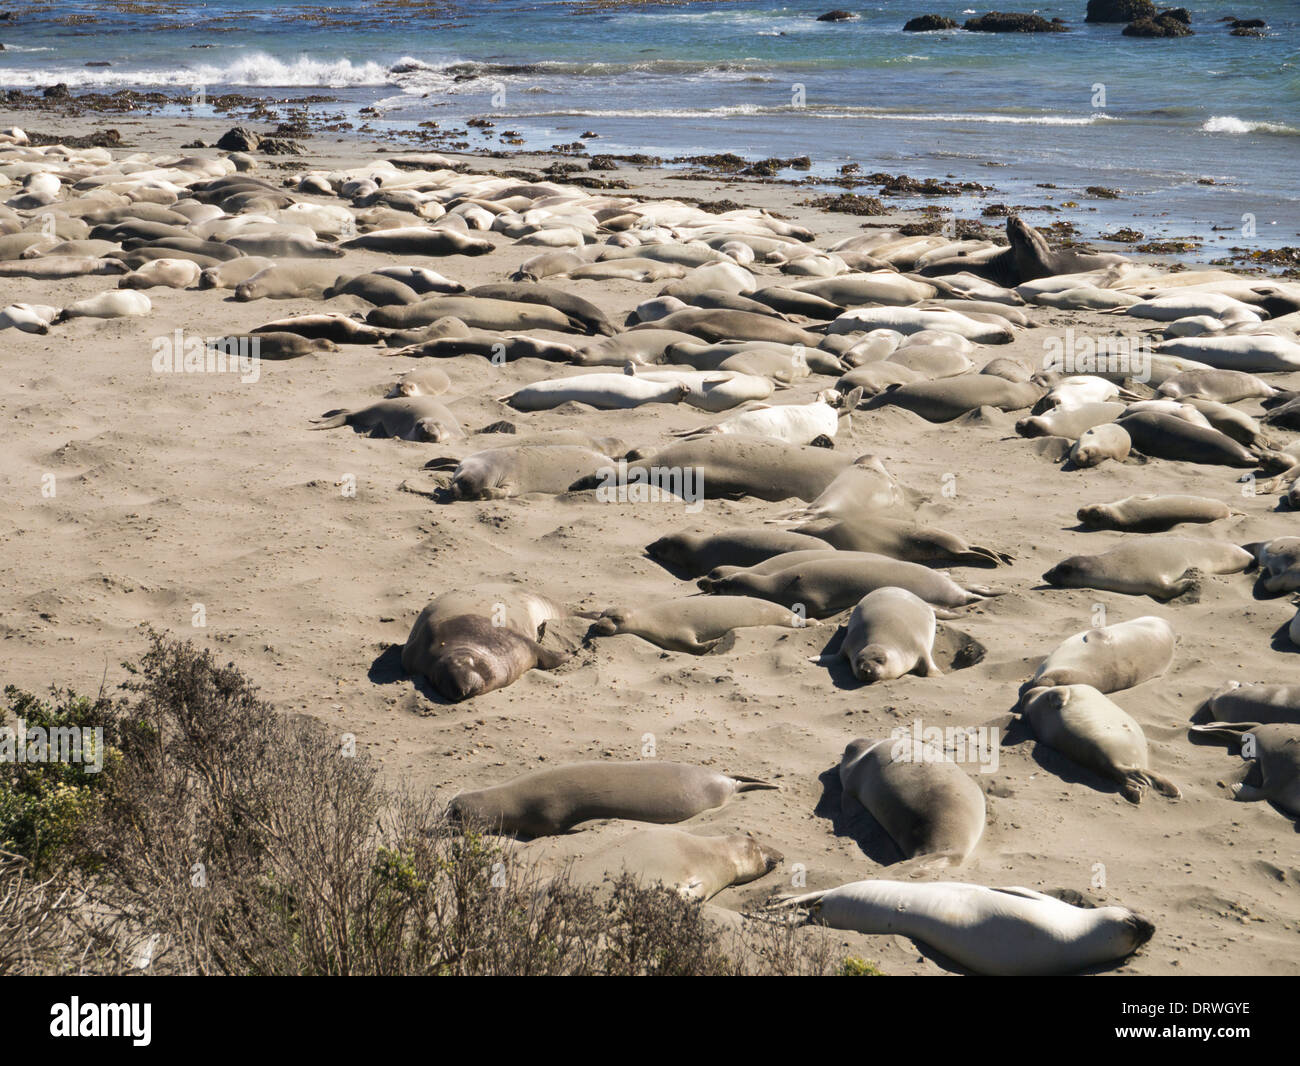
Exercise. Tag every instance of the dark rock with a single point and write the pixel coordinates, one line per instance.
(56, 92)
(1014, 22)
(280, 146)
(1119, 10)
(1160, 26)
(1249, 24)
(99, 63)
(836, 16)
(926, 23)
(602, 162)
(1180, 13)
(239, 139)
(1246, 31)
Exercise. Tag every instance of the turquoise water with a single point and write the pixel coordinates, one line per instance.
(764, 79)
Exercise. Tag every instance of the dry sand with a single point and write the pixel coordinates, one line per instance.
(175, 490)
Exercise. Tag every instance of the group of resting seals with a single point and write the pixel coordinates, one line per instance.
(892, 322)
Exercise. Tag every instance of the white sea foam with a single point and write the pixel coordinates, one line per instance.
(1232, 124)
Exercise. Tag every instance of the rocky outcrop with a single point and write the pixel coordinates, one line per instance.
(1165, 24)
(926, 23)
(1119, 10)
(1014, 22)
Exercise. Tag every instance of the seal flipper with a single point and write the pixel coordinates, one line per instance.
(546, 658)
(330, 420)
(1138, 780)
(751, 784)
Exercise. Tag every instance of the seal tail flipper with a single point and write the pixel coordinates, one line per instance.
(807, 899)
(935, 860)
(945, 614)
(1157, 781)
(751, 784)
(927, 667)
(1224, 730)
(331, 421)
(548, 659)
(985, 590)
(1245, 793)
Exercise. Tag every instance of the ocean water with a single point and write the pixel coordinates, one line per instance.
(1151, 118)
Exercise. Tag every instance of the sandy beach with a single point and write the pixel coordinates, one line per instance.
(177, 490)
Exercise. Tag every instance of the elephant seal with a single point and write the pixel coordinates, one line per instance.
(273, 345)
(1160, 567)
(1069, 422)
(901, 538)
(1028, 258)
(420, 240)
(518, 469)
(415, 418)
(826, 584)
(731, 465)
(1249, 352)
(30, 318)
(1275, 772)
(289, 279)
(606, 392)
(696, 867)
(116, 303)
(718, 326)
(378, 289)
(162, 273)
(556, 799)
(1223, 386)
(469, 643)
(1269, 704)
(330, 325)
(792, 423)
(1007, 932)
(949, 398)
(1279, 563)
(1110, 658)
(927, 804)
(479, 312)
(1153, 514)
(863, 489)
(1164, 436)
(1091, 730)
(231, 274)
(698, 553)
(642, 347)
(1096, 445)
(426, 381)
(890, 633)
(592, 317)
(696, 624)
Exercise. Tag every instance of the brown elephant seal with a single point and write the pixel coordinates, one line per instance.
(420, 240)
(1269, 704)
(718, 326)
(698, 553)
(927, 804)
(477, 312)
(695, 624)
(1007, 932)
(1069, 422)
(416, 418)
(1110, 658)
(1096, 445)
(731, 465)
(592, 317)
(556, 799)
(1275, 772)
(273, 345)
(901, 538)
(696, 867)
(823, 585)
(517, 469)
(950, 398)
(1153, 514)
(859, 492)
(288, 279)
(890, 633)
(1091, 730)
(1028, 258)
(470, 643)
(1160, 567)
(1164, 436)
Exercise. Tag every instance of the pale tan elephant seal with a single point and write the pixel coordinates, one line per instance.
(696, 624)
(1160, 567)
(1013, 932)
(696, 867)
(1110, 658)
(927, 804)
(1091, 730)
(890, 633)
(417, 418)
(556, 799)
(1096, 445)
(1153, 514)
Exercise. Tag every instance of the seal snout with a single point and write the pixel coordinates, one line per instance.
(1143, 929)
(459, 677)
